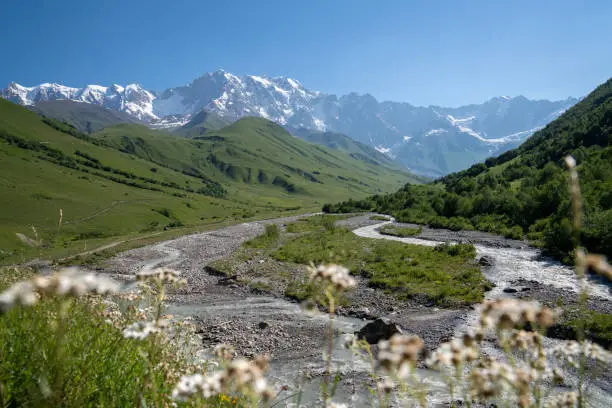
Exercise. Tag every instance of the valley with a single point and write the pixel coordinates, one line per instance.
(232, 207)
(238, 294)
(322, 204)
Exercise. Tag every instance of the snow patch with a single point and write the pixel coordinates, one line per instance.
(319, 124)
(436, 132)
(261, 80)
(383, 149)
(170, 106)
(456, 121)
(295, 84)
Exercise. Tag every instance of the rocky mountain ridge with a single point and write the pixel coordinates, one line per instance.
(430, 140)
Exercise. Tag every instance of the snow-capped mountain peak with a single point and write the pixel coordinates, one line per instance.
(132, 99)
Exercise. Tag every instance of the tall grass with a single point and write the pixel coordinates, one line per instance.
(268, 238)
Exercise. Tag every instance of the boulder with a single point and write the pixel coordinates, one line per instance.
(510, 290)
(486, 261)
(379, 329)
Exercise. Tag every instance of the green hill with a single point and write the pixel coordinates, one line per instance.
(254, 154)
(202, 123)
(85, 117)
(128, 180)
(525, 190)
(343, 143)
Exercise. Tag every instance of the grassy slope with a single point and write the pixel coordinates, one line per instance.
(343, 143)
(85, 117)
(249, 155)
(202, 123)
(100, 206)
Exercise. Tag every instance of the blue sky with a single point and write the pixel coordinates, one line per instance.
(423, 52)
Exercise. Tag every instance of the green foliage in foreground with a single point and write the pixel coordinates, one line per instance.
(65, 353)
(397, 231)
(447, 275)
(76, 360)
(523, 191)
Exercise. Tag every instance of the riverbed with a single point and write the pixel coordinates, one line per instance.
(260, 323)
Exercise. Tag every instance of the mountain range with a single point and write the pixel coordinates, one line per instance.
(431, 140)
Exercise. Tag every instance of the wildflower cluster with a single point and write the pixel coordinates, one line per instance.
(68, 282)
(161, 275)
(245, 377)
(225, 351)
(398, 354)
(142, 330)
(455, 353)
(524, 340)
(510, 313)
(334, 275)
(572, 351)
(564, 400)
(491, 378)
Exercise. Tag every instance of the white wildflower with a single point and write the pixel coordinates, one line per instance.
(511, 313)
(564, 400)
(161, 275)
(240, 375)
(197, 384)
(67, 282)
(455, 353)
(571, 351)
(335, 275)
(20, 294)
(140, 330)
(399, 353)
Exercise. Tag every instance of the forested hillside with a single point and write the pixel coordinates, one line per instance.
(523, 192)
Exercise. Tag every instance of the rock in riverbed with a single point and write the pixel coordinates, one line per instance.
(486, 261)
(379, 329)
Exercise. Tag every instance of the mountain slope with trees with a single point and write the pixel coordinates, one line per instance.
(524, 191)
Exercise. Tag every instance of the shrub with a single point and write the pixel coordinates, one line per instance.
(267, 239)
(397, 231)
(464, 250)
